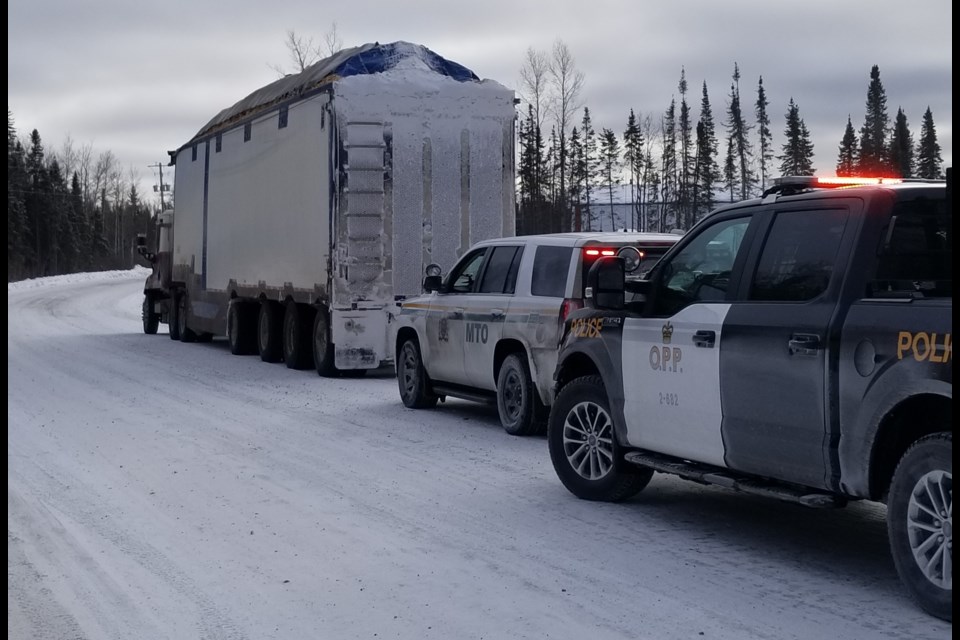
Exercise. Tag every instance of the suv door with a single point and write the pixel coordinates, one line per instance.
(485, 312)
(446, 330)
(671, 357)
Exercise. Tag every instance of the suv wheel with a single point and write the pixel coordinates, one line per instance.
(920, 522)
(584, 448)
(518, 403)
(415, 388)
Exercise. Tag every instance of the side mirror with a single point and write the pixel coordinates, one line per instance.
(432, 283)
(605, 283)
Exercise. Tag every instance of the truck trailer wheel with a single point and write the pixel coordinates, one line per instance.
(297, 348)
(323, 354)
(269, 332)
(517, 398)
(584, 448)
(186, 333)
(920, 523)
(173, 322)
(151, 319)
(412, 378)
(241, 332)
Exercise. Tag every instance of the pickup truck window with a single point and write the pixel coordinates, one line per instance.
(798, 257)
(916, 257)
(700, 272)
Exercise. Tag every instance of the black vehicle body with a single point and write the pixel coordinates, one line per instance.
(804, 366)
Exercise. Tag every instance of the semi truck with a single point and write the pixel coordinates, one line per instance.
(305, 211)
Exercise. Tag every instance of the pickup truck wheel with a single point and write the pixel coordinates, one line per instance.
(186, 333)
(412, 378)
(920, 523)
(151, 319)
(517, 397)
(584, 448)
(297, 351)
(269, 332)
(323, 354)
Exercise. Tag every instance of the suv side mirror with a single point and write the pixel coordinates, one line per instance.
(605, 283)
(432, 283)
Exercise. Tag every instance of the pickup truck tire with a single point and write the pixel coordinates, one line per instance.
(297, 350)
(323, 353)
(269, 332)
(920, 522)
(412, 378)
(151, 319)
(584, 449)
(517, 397)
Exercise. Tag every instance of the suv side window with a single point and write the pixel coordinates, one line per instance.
(550, 268)
(496, 276)
(798, 256)
(464, 276)
(916, 257)
(700, 272)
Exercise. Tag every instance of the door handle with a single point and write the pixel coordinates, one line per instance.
(804, 344)
(497, 314)
(705, 339)
(456, 314)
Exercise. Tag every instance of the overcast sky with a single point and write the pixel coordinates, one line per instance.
(139, 79)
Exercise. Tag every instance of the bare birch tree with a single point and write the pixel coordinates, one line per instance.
(567, 83)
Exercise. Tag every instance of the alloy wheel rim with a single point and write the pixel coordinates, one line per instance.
(930, 527)
(588, 440)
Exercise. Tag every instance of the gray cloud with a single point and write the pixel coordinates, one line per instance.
(138, 79)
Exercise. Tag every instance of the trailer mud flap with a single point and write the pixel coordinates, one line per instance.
(359, 338)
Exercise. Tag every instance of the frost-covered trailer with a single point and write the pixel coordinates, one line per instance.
(304, 211)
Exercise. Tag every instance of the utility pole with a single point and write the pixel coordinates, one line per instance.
(159, 167)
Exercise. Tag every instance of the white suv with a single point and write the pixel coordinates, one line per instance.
(490, 330)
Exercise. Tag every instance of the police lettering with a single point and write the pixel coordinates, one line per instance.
(587, 328)
(665, 358)
(924, 346)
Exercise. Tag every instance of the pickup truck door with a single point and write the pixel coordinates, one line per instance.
(778, 340)
(671, 357)
(446, 330)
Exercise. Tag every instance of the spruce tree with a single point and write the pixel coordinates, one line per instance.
(668, 162)
(633, 157)
(848, 158)
(685, 154)
(707, 172)
(764, 134)
(578, 171)
(874, 152)
(929, 162)
(797, 157)
(738, 131)
(610, 167)
(590, 164)
(901, 147)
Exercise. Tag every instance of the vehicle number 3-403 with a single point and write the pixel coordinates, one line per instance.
(669, 399)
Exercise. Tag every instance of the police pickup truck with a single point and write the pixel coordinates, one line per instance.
(796, 346)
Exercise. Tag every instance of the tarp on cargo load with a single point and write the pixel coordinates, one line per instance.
(363, 60)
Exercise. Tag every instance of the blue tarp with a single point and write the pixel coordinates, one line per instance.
(366, 59)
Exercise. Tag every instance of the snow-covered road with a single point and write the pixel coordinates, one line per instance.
(166, 490)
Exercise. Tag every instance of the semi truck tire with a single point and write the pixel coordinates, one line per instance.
(151, 319)
(920, 523)
(186, 333)
(241, 332)
(584, 448)
(173, 322)
(269, 332)
(297, 325)
(323, 353)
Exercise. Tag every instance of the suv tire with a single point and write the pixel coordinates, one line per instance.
(412, 378)
(584, 448)
(518, 403)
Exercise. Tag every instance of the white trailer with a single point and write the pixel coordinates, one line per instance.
(305, 211)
